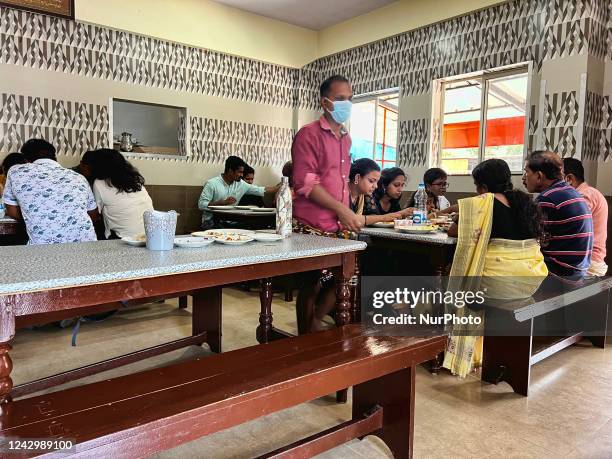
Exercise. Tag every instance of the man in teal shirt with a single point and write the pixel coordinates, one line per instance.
(227, 189)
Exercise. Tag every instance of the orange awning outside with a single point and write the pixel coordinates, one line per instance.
(500, 131)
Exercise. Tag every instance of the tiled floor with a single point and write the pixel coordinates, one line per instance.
(568, 412)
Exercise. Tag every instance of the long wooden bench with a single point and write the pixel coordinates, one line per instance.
(146, 412)
(508, 356)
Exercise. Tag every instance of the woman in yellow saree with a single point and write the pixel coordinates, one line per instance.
(498, 233)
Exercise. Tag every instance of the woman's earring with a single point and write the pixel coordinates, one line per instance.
(356, 182)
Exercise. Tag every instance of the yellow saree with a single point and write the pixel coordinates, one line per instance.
(478, 258)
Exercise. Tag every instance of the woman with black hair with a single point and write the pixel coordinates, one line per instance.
(120, 194)
(12, 159)
(498, 236)
(387, 195)
(363, 182)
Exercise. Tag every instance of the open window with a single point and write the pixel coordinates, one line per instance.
(484, 117)
(373, 127)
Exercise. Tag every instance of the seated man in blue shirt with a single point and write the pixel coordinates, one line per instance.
(227, 189)
(567, 218)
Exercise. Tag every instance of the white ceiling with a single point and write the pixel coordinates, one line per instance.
(312, 14)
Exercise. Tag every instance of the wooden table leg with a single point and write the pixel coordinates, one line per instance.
(342, 276)
(183, 302)
(206, 315)
(356, 293)
(264, 329)
(7, 333)
(395, 394)
(6, 366)
(439, 260)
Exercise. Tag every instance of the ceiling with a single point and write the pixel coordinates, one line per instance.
(312, 14)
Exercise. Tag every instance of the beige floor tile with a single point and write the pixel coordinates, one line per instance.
(568, 412)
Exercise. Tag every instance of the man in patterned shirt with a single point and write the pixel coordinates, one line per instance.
(56, 204)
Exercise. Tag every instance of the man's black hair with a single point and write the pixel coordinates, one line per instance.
(574, 166)
(547, 162)
(233, 163)
(35, 149)
(327, 84)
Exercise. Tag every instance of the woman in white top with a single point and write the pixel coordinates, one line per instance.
(120, 194)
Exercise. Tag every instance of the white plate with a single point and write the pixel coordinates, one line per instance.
(269, 210)
(383, 225)
(244, 238)
(267, 237)
(219, 232)
(133, 241)
(192, 242)
(222, 207)
(246, 207)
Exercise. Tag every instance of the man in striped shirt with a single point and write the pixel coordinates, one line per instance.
(567, 218)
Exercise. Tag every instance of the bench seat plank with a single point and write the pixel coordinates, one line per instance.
(200, 397)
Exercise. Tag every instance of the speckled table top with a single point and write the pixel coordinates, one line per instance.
(48, 267)
(432, 238)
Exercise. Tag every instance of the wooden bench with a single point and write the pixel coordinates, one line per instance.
(509, 357)
(143, 413)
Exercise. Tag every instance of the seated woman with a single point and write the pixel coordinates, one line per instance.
(498, 233)
(387, 196)
(364, 177)
(120, 194)
(436, 183)
(12, 159)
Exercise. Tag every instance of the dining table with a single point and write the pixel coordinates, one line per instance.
(246, 218)
(391, 252)
(46, 283)
(434, 250)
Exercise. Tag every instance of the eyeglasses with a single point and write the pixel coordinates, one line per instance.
(441, 185)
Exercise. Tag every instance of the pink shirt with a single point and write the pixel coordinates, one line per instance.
(599, 209)
(319, 158)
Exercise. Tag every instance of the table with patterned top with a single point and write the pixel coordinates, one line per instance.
(40, 284)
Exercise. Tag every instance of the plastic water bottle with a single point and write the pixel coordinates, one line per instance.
(419, 217)
(284, 209)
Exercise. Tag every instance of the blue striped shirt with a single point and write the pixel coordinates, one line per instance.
(569, 227)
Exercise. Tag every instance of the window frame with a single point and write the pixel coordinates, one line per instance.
(485, 77)
(375, 95)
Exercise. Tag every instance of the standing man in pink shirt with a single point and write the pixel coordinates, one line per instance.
(574, 176)
(321, 166)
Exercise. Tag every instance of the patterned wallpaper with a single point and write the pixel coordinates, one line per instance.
(73, 127)
(509, 33)
(257, 144)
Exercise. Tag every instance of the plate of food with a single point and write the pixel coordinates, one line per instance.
(383, 224)
(212, 233)
(269, 210)
(192, 242)
(222, 207)
(137, 241)
(234, 238)
(267, 237)
(417, 229)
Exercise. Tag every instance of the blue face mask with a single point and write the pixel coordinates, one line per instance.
(342, 110)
